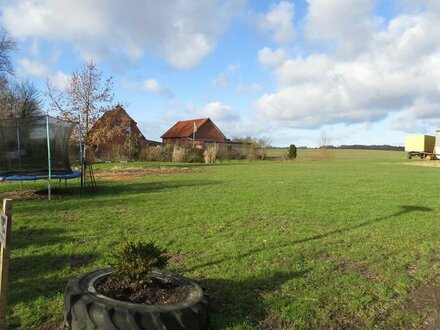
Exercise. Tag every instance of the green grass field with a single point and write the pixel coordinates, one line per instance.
(352, 242)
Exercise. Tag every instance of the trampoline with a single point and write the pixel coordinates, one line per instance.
(36, 148)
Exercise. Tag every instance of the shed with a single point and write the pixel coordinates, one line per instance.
(194, 131)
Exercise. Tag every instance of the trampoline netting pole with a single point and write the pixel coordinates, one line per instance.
(49, 167)
(18, 148)
(81, 161)
(18, 145)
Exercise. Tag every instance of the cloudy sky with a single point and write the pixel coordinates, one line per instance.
(360, 71)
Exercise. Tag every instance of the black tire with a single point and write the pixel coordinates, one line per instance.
(85, 308)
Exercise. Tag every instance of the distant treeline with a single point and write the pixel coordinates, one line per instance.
(369, 147)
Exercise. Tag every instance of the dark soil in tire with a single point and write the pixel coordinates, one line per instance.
(156, 292)
(86, 308)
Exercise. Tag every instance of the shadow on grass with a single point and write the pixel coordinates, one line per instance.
(114, 189)
(404, 210)
(117, 187)
(142, 187)
(25, 236)
(30, 276)
(235, 302)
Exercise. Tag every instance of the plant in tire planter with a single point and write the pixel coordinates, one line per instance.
(134, 294)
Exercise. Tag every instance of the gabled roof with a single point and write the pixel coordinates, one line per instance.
(184, 128)
(114, 124)
(116, 114)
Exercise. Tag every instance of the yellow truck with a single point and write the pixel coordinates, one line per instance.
(423, 146)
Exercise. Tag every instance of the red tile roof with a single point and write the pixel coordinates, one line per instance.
(184, 128)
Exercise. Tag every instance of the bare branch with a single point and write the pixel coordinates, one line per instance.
(6, 46)
(86, 94)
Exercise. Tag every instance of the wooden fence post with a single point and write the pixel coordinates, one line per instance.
(5, 236)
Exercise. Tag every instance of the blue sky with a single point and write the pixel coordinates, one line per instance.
(360, 71)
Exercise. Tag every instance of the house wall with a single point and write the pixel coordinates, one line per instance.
(209, 132)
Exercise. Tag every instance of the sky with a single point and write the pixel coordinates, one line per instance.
(294, 72)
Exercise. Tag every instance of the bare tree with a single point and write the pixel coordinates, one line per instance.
(28, 99)
(20, 100)
(6, 46)
(264, 142)
(325, 144)
(87, 94)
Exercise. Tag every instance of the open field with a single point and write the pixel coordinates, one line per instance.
(347, 243)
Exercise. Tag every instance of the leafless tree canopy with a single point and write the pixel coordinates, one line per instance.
(6, 46)
(17, 99)
(87, 94)
(20, 100)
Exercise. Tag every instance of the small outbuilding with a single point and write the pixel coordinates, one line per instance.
(196, 132)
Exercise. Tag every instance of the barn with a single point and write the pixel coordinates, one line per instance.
(116, 136)
(194, 132)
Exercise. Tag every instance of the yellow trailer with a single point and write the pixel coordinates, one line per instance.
(420, 146)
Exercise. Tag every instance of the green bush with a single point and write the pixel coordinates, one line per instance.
(134, 261)
(292, 152)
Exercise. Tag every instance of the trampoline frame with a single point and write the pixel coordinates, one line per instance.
(33, 177)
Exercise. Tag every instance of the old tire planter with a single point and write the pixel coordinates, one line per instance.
(85, 308)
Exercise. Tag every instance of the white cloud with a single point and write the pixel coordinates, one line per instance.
(279, 22)
(399, 71)
(33, 68)
(271, 58)
(219, 112)
(153, 86)
(182, 32)
(345, 24)
(28, 67)
(251, 88)
(59, 79)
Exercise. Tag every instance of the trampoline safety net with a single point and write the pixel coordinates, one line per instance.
(23, 146)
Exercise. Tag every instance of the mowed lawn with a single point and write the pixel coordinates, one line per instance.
(352, 242)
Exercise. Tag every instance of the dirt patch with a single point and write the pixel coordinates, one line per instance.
(56, 193)
(427, 163)
(425, 300)
(273, 321)
(132, 173)
(175, 259)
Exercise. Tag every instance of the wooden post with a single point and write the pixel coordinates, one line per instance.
(4, 257)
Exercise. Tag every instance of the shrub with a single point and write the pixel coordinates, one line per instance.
(194, 155)
(134, 261)
(292, 152)
(253, 152)
(178, 155)
(210, 154)
(156, 154)
(228, 152)
(187, 155)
